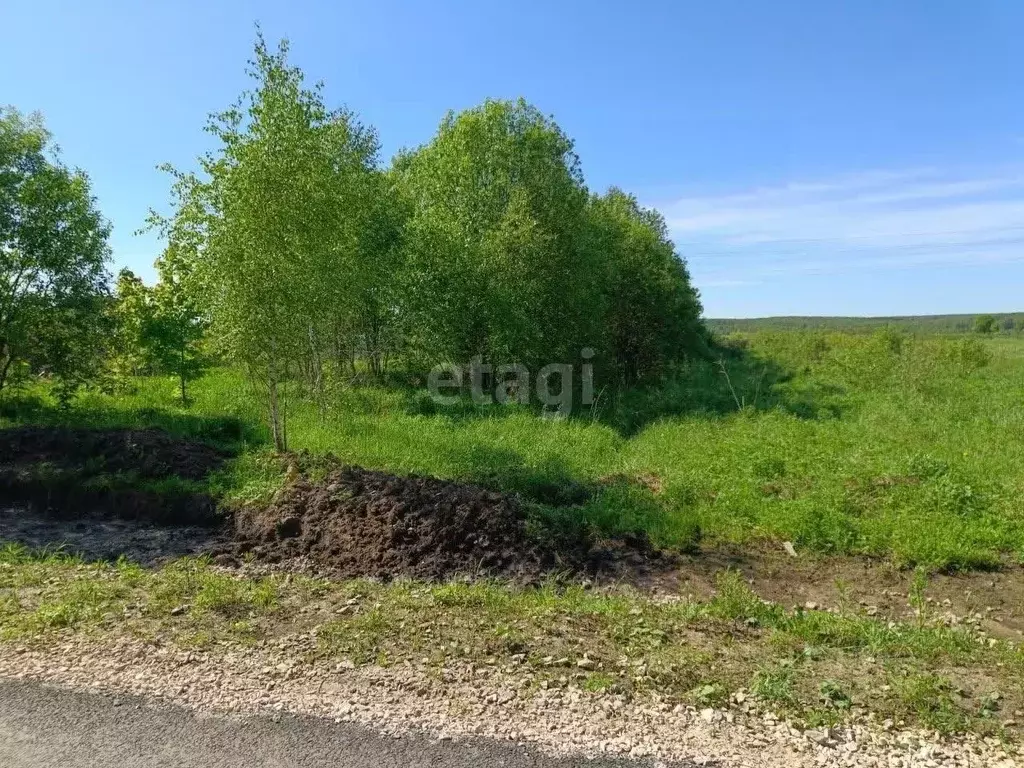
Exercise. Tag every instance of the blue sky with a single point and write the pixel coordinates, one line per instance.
(810, 158)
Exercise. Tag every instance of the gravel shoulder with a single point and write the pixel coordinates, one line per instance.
(409, 703)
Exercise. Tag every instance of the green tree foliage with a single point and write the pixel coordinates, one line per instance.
(374, 327)
(177, 326)
(273, 226)
(159, 329)
(511, 260)
(308, 260)
(985, 324)
(132, 311)
(497, 254)
(53, 253)
(652, 311)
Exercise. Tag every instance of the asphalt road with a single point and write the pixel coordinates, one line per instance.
(42, 726)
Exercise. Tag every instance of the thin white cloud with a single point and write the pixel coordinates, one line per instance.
(873, 219)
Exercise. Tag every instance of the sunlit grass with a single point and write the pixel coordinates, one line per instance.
(873, 444)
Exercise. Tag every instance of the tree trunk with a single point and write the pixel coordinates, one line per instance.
(6, 356)
(315, 373)
(181, 375)
(276, 425)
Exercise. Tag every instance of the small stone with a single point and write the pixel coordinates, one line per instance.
(820, 736)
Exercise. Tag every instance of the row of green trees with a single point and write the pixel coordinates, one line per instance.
(295, 254)
(58, 316)
(310, 259)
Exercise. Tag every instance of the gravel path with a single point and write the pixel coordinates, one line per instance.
(461, 703)
(41, 726)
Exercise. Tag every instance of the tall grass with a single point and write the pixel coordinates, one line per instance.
(884, 444)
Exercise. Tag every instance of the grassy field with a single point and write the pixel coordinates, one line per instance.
(906, 449)
(885, 444)
(908, 323)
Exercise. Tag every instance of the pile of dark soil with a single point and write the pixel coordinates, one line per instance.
(358, 522)
(68, 473)
(103, 492)
(147, 453)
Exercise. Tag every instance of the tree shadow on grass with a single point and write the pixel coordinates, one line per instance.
(733, 379)
(551, 482)
(730, 379)
(573, 514)
(225, 432)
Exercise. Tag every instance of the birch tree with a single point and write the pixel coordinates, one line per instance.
(272, 223)
(176, 324)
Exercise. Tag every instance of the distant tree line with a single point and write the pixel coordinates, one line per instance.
(953, 324)
(293, 253)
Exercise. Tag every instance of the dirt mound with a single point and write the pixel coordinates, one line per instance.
(148, 453)
(358, 522)
(75, 487)
(110, 474)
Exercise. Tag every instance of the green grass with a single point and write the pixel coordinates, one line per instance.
(879, 444)
(41, 593)
(811, 665)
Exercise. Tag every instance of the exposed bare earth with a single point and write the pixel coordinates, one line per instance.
(362, 523)
(994, 601)
(95, 538)
(149, 453)
(357, 522)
